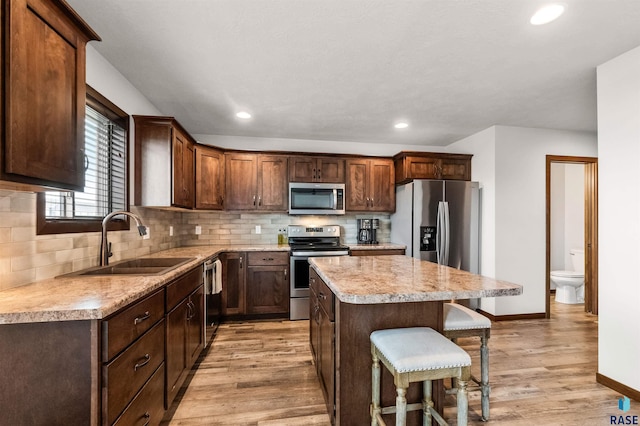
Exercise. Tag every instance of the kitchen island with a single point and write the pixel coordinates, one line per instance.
(353, 296)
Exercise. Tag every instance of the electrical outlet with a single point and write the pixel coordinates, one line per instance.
(198, 230)
(148, 234)
(171, 231)
(258, 229)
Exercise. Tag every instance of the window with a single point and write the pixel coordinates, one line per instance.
(106, 175)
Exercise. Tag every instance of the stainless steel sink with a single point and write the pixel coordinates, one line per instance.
(144, 266)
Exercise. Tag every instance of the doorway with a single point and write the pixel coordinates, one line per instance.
(590, 230)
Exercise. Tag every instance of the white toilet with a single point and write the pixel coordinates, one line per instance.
(570, 284)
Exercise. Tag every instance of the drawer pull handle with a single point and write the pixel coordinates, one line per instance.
(322, 296)
(148, 417)
(267, 259)
(141, 318)
(146, 358)
(285, 274)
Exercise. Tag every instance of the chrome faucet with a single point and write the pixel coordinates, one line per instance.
(105, 248)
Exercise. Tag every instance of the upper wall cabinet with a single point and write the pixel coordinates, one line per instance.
(316, 169)
(256, 182)
(43, 93)
(162, 145)
(429, 165)
(370, 185)
(209, 178)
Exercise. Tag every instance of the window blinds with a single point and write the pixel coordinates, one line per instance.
(105, 173)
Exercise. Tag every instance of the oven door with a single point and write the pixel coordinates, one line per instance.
(299, 282)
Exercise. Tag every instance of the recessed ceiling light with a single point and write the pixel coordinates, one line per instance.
(401, 125)
(243, 114)
(547, 13)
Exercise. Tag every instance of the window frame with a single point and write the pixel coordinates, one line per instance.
(46, 226)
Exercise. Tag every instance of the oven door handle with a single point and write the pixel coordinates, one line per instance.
(300, 254)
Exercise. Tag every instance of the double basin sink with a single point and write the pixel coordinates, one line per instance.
(144, 266)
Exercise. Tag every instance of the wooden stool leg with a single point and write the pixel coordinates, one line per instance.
(401, 407)
(427, 402)
(463, 403)
(484, 377)
(375, 389)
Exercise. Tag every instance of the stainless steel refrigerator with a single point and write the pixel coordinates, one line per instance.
(438, 221)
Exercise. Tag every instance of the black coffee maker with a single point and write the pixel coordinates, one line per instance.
(367, 229)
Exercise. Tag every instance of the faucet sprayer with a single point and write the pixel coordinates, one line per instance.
(105, 250)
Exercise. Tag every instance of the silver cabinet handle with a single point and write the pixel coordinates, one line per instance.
(147, 416)
(240, 262)
(322, 296)
(267, 259)
(141, 318)
(285, 274)
(254, 200)
(146, 358)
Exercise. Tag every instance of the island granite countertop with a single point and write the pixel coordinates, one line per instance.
(393, 279)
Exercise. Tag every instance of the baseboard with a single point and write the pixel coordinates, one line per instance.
(618, 387)
(492, 317)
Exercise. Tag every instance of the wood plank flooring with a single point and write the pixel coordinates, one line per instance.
(542, 373)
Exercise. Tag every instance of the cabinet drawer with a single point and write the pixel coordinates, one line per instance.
(323, 293)
(147, 408)
(268, 258)
(182, 287)
(123, 377)
(119, 330)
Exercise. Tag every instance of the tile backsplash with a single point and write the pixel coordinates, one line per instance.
(26, 257)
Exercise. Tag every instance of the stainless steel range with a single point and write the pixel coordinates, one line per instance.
(306, 242)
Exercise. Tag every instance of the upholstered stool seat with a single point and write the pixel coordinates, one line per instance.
(418, 354)
(460, 321)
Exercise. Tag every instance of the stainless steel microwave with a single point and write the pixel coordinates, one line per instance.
(316, 198)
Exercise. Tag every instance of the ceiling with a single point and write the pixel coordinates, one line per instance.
(347, 70)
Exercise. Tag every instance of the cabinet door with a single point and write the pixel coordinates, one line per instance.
(233, 283)
(176, 361)
(209, 178)
(314, 327)
(267, 289)
(183, 172)
(241, 181)
(272, 180)
(453, 169)
(356, 187)
(382, 195)
(330, 170)
(44, 94)
(302, 169)
(327, 359)
(195, 323)
(423, 167)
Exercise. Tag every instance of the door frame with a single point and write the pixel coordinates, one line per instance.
(590, 230)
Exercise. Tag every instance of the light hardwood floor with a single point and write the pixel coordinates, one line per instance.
(542, 373)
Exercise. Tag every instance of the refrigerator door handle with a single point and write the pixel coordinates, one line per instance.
(440, 233)
(447, 233)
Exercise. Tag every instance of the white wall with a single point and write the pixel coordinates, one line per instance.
(619, 218)
(557, 217)
(306, 145)
(573, 211)
(511, 165)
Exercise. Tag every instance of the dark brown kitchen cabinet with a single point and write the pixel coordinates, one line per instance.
(267, 285)
(133, 344)
(165, 161)
(209, 178)
(316, 169)
(430, 165)
(322, 337)
(256, 182)
(43, 94)
(255, 284)
(184, 329)
(233, 283)
(370, 185)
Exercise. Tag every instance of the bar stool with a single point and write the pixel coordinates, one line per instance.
(417, 354)
(460, 321)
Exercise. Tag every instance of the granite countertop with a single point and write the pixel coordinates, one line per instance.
(393, 279)
(72, 297)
